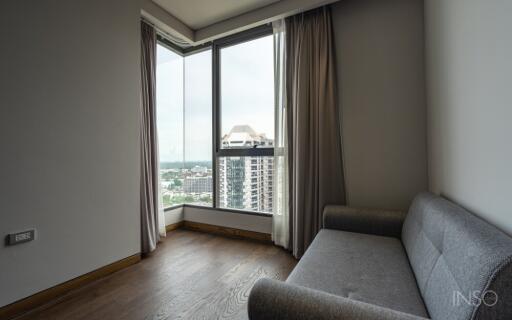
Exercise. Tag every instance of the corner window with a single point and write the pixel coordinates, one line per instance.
(215, 122)
(184, 123)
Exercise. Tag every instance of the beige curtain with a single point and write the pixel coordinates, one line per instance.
(280, 208)
(314, 141)
(149, 183)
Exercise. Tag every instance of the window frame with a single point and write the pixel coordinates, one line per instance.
(218, 151)
(185, 52)
(216, 46)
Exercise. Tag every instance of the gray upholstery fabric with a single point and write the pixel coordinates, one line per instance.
(367, 268)
(372, 221)
(271, 299)
(461, 269)
(501, 285)
(453, 254)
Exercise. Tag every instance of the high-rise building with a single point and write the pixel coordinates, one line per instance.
(246, 182)
(197, 184)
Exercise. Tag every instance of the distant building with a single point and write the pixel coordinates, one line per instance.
(199, 169)
(244, 136)
(246, 182)
(197, 184)
(166, 184)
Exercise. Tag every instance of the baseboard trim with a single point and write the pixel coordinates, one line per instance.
(39, 299)
(36, 300)
(227, 231)
(174, 226)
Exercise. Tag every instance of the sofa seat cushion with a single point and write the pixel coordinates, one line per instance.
(368, 268)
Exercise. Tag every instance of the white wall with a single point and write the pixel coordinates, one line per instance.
(222, 218)
(469, 72)
(229, 219)
(379, 47)
(174, 216)
(69, 137)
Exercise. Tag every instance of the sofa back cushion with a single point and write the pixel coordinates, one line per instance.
(461, 263)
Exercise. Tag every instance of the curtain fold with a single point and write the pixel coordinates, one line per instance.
(280, 208)
(314, 140)
(151, 220)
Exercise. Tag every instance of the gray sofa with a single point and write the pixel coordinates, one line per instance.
(437, 262)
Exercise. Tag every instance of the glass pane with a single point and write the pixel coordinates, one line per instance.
(169, 108)
(198, 183)
(184, 123)
(247, 94)
(246, 183)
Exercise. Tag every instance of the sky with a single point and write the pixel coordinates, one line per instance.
(184, 97)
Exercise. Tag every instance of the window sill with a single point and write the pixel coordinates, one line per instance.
(247, 212)
(176, 206)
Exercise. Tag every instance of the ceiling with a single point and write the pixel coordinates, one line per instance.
(196, 22)
(197, 14)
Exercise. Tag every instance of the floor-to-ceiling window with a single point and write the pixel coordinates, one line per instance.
(215, 111)
(184, 123)
(246, 124)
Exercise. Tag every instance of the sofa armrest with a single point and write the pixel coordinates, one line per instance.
(272, 299)
(371, 221)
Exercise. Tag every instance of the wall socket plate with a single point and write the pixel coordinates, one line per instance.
(20, 237)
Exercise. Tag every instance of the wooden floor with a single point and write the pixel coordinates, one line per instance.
(191, 275)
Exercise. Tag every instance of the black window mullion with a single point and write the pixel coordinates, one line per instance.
(215, 119)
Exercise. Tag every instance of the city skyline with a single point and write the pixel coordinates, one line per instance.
(251, 134)
(244, 182)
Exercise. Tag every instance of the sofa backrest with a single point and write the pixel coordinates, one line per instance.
(462, 264)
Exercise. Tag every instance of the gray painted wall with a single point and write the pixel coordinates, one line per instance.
(381, 93)
(69, 128)
(469, 72)
(69, 137)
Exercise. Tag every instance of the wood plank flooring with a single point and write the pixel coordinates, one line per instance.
(191, 275)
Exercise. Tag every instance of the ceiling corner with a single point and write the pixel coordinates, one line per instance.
(166, 22)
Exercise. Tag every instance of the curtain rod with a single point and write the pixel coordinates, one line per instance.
(165, 34)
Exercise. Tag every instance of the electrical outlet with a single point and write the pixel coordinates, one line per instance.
(20, 237)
